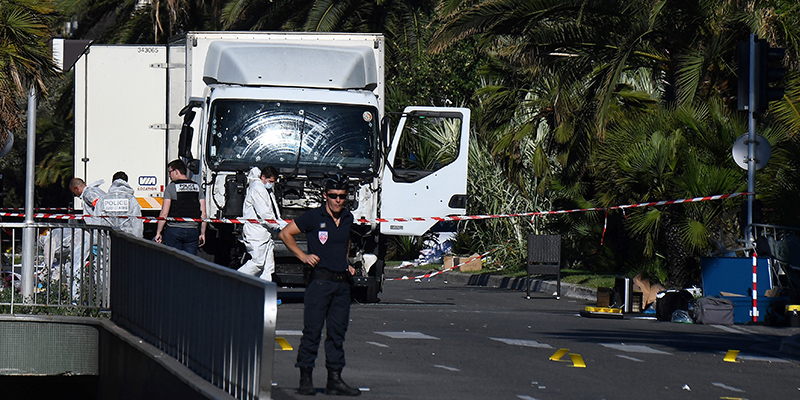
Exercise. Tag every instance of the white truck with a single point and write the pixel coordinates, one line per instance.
(309, 104)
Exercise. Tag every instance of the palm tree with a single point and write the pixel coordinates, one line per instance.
(24, 55)
(671, 153)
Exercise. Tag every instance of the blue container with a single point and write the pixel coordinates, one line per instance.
(734, 275)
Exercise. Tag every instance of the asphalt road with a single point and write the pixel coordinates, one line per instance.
(436, 340)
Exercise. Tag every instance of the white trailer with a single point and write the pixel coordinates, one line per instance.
(309, 104)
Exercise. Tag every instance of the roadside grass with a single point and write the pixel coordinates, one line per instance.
(580, 277)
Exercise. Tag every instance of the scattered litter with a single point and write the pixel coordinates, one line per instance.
(686, 387)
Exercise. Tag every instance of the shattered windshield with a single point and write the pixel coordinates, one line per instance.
(320, 137)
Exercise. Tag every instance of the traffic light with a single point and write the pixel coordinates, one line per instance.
(743, 62)
(768, 74)
(768, 69)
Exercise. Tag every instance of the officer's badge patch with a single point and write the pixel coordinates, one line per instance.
(323, 236)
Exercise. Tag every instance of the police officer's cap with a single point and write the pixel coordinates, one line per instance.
(336, 182)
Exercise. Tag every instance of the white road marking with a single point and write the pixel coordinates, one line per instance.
(634, 348)
(447, 368)
(414, 300)
(629, 358)
(524, 397)
(407, 335)
(522, 342)
(378, 344)
(724, 386)
(288, 333)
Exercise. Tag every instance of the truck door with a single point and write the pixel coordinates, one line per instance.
(426, 170)
(120, 103)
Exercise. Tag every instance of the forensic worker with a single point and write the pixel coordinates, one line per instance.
(88, 195)
(327, 297)
(121, 207)
(260, 203)
(82, 239)
(182, 198)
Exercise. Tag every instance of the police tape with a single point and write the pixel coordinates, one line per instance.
(432, 274)
(386, 220)
(39, 209)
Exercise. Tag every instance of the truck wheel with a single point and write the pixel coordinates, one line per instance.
(371, 295)
(376, 286)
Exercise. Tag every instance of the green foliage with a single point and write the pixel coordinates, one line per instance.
(492, 191)
(443, 79)
(404, 248)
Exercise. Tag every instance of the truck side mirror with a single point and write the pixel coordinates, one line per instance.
(385, 137)
(185, 138)
(193, 165)
(187, 132)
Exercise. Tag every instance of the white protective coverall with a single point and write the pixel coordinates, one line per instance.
(259, 203)
(82, 243)
(89, 196)
(120, 202)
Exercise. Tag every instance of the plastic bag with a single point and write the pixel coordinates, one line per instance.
(681, 316)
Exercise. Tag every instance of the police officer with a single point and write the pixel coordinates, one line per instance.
(182, 198)
(327, 297)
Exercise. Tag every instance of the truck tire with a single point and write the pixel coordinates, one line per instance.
(376, 286)
(371, 292)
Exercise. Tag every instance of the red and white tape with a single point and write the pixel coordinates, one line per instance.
(39, 209)
(407, 219)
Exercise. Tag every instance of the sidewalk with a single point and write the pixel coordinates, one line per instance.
(789, 344)
(499, 282)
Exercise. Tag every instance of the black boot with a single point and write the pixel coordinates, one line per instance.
(337, 387)
(306, 381)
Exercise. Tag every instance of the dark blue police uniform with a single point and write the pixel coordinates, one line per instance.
(327, 297)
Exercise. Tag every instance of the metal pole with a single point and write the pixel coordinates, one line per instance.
(29, 231)
(751, 139)
(754, 293)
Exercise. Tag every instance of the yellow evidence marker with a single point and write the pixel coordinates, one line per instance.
(731, 356)
(560, 353)
(577, 360)
(283, 343)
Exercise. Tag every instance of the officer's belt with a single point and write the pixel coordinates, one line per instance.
(327, 275)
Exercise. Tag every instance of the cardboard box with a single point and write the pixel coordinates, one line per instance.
(604, 296)
(472, 263)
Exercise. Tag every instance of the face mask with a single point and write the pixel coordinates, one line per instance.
(268, 185)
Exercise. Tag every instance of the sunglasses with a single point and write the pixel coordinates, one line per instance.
(342, 196)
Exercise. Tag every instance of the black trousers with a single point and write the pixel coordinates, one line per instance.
(327, 303)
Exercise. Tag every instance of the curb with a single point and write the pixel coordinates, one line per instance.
(569, 290)
(791, 346)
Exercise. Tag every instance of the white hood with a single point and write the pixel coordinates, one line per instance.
(254, 175)
(121, 187)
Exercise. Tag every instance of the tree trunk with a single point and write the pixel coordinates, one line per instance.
(679, 260)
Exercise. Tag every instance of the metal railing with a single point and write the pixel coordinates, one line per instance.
(217, 322)
(782, 246)
(71, 268)
(784, 242)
